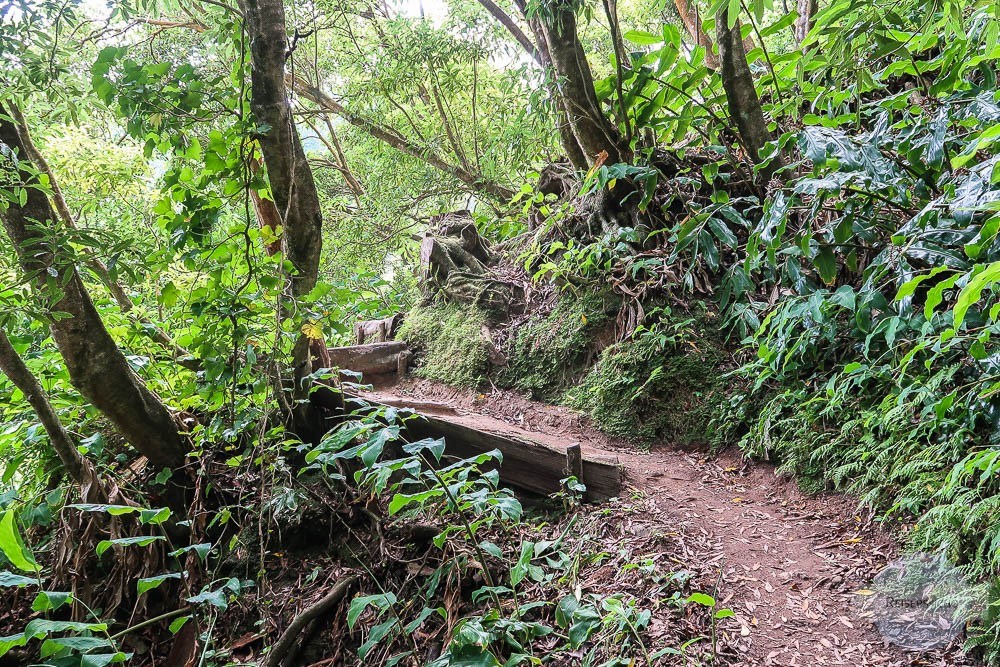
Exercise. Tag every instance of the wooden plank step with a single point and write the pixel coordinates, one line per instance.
(387, 358)
(527, 463)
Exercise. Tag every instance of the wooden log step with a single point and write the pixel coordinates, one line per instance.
(387, 358)
(528, 463)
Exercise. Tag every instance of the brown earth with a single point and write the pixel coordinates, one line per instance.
(787, 563)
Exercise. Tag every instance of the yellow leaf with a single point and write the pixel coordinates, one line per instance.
(583, 318)
(312, 330)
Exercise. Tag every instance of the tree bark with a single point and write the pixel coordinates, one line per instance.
(96, 365)
(79, 468)
(293, 190)
(741, 94)
(100, 269)
(570, 144)
(594, 132)
(804, 22)
(515, 30)
(692, 23)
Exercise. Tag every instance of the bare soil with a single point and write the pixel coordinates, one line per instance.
(787, 563)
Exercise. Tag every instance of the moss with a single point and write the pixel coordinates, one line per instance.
(662, 384)
(449, 343)
(551, 351)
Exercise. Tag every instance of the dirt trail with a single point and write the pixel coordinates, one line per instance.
(789, 562)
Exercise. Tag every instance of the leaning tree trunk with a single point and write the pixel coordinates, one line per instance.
(79, 468)
(595, 134)
(97, 367)
(100, 269)
(292, 188)
(741, 94)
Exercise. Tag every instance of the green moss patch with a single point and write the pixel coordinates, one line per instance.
(449, 342)
(662, 384)
(551, 351)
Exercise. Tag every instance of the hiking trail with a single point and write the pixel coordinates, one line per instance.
(787, 563)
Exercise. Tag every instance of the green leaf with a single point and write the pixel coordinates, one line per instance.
(50, 600)
(12, 545)
(11, 580)
(936, 294)
(381, 601)
(178, 623)
(986, 138)
(149, 583)
(103, 659)
(113, 510)
(702, 599)
(40, 628)
(565, 609)
(142, 541)
(642, 38)
(157, 516)
(910, 286)
(202, 550)
(826, 264)
(12, 641)
(972, 292)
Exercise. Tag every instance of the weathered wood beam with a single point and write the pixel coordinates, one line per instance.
(371, 358)
(527, 464)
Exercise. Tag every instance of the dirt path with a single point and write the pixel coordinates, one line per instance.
(789, 562)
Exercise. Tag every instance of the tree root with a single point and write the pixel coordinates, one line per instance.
(285, 643)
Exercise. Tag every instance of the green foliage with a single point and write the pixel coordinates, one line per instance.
(518, 580)
(450, 341)
(661, 384)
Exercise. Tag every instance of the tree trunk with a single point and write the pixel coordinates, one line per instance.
(594, 132)
(183, 357)
(692, 23)
(570, 144)
(515, 30)
(293, 190)
(96, 365)
(741, 95)
(804, 22)
(79, 468)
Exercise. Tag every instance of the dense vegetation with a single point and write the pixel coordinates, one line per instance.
(722, 224)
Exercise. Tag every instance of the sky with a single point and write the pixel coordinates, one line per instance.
(436, 10)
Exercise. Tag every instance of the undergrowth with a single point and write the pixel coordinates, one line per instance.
(442, 567)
